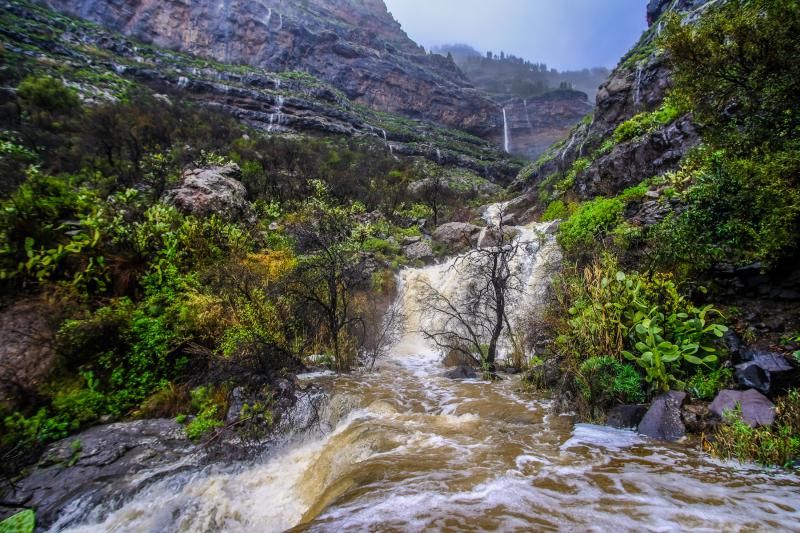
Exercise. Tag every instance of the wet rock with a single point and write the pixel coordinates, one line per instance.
(213, 191)
(698, 418)
(763, 370)
(461, 372)
(419, 250)
(626, 416)
(457, 236)
(27, 354)
(411, 240)
(757, 410)
(104, 464)
(663, 420)
(492, 237)
(733, 343)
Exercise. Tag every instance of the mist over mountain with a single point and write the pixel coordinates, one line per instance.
(505, 75)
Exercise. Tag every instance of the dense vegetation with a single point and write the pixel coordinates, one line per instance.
(163, 312)
(734, 202)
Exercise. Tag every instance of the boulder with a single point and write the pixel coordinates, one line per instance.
(626, 416)
(663, 420)
(407, 241)
(461, 372)
(762, 369)
(491, 237)
(213, 191)
(457, 236)
(104, 464)
(698, 418)
(757, 410)
(27, 354)
(419, 250)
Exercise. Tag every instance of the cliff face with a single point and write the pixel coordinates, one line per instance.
(355, 45)
(638, 84)
(534, 124)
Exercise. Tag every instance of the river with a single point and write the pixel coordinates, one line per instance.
(404, 448)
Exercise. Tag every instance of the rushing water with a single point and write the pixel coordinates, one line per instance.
(406, 449)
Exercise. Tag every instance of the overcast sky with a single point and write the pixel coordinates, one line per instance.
(565, 34)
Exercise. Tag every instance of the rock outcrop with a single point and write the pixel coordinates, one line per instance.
(535, 124)
(457, 236)
(104, 464)
(356, 45)
(27, 348)
(213, 191)
(756, 409)
(663, 420)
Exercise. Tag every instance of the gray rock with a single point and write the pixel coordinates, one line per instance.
(411, 240)
(457, 236)
(757, 410)
(419, 250)
(213, 191)
(698, 418)
(461, 372)
(104, 464)
(762, 369)
(27, 353)
(626, 416)
(663, 420)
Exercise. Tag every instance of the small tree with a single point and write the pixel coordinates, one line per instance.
(474, 320)
(329, 272)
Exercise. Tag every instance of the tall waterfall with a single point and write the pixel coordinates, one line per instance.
(506, 133)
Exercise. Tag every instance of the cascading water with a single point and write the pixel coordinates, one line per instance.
(506, 134)
(637, 94)
(527, 115)
(276, 118)
(406, 449)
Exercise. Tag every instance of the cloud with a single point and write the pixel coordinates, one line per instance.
(565, 34)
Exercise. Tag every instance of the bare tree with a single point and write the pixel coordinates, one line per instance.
(473, 320)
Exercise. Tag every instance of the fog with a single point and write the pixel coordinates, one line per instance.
(565, 34)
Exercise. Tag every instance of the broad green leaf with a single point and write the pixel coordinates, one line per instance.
(22, 522)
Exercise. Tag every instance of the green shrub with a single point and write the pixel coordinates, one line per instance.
(645, 123)
(777, 445)
(603, 381)
(206, 401)
(557, 209)
(589, 221)
(706, 385)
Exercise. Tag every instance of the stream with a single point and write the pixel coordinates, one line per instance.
(404, 448)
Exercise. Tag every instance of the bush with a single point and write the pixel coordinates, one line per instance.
(705, 385)
(604, 381)
(777, 445)
(603, 312)
(589, 221)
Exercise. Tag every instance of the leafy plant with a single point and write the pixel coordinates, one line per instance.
(777, 445)
(705, 385)
(22, 522)
(603, 381)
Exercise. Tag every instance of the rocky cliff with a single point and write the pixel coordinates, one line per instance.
(534, 124)
(103, 64)
(355, 45)
(637, 85)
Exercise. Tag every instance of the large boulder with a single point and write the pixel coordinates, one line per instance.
(663, 420)
(626, 416)
(419, 250)
(763, 370)
(27, 354)
(104, 464)
(213, 191)
(757, 410)
(457, 236)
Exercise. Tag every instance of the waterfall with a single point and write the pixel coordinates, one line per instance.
(385, 139)
(438, 155)
(277, 118)
(506, 140)
(269, 17)
(527, 115)
(637, 86)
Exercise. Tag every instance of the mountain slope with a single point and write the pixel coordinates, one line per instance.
(356, 46)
